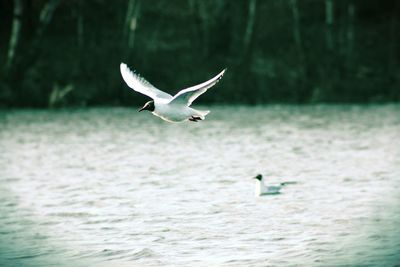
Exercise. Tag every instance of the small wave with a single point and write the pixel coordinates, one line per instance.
(71, 214)
(29, 256)
(144, 253)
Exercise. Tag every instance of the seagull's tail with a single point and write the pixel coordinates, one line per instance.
(202, 113)
(288, 183)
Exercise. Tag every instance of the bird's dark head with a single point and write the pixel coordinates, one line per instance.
(148, 106)
(258, 177)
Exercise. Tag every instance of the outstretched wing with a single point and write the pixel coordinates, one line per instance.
(188, 95)
(140, 85)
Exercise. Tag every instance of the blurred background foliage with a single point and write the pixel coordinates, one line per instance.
(67, 52)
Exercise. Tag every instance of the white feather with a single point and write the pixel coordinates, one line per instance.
(188, 95)
(140, 84)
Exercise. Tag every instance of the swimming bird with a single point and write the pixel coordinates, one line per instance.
(262, 189)
(167, 107)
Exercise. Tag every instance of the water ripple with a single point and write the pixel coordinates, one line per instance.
(109, 187)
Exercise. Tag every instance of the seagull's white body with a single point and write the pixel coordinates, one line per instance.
(173, 112)
(262, 189)
(167, 107)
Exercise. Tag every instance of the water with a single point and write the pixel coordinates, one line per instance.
(112, 187)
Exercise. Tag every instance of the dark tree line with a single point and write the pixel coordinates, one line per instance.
(67, 52)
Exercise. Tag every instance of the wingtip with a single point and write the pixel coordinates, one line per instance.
(221, 74)
(122, 66)
(125, 70)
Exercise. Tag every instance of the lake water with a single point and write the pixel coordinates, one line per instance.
(113, 187)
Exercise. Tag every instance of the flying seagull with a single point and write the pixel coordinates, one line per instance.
(167, 107)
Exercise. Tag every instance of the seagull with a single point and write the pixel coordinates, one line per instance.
(167, 107)
(262, 189)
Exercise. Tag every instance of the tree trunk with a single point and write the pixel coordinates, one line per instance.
(131, 20)
(46, 14)
(25, 62)
(329, 20)
(15, 34)
(350, 34)
(250, 25)
(302, 69)
(205, 25)
(393, 42)
(296, 31)
(80, 26)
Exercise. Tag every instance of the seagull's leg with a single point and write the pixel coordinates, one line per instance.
(195, 118)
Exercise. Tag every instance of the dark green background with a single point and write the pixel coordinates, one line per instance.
(287, 51)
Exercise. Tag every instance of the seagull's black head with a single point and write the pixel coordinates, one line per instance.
(148, 106)
(258, 177)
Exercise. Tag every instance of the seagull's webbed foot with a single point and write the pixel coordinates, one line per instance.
(195, 119)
